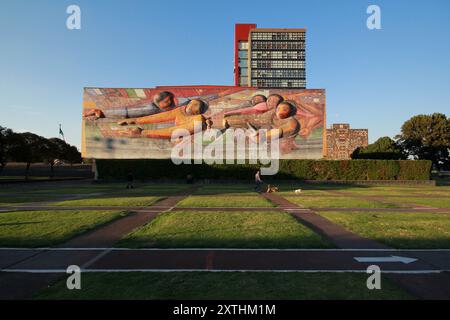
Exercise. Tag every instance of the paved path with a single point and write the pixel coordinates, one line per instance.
(25, 271)
(420, 272)
(158, 208)
(214, 259)
(104, 236)
(337, 193)
(335, 233)
(426, 288)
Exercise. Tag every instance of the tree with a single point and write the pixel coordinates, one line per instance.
(72, 155)
(52, 150)
(28, 148)
(427, 137)
(5, 146)
(56, 149)
(383, 148)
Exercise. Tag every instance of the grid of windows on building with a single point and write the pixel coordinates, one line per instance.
(342, 141)
(278, 36)
(284, 64)
(243, 63)
(277, 59)
(271, 73)
(278, 83)
(274, 55)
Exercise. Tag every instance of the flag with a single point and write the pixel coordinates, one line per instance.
(61, 133)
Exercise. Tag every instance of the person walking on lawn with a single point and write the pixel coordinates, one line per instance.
(130, 179)
(258, 181)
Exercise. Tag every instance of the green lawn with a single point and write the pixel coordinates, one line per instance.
(376, 192)
(225, 201)
(22, 178)
(33, 190)
(307, 192)
(188, 229)
(132, 201)
(46, 228)
(337, 202)
(66, 191)
(443, 202)
(439, 192)
(158, 186)
(224, 286)
(242, 189)
(397, 191)
(161, 191)
(398, 229)
(5, 200)
(442, 181)
(98, 188)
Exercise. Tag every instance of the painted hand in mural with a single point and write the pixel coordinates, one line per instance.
(259, 105)
(280, 122)
(311, 117)
(127, 122)
(161, 101)
(184, 117)
(93, 114)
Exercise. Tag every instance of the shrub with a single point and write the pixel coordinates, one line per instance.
(289, 169)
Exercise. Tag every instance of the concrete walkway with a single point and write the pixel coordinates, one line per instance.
(338, 235)
(227, 259)
(420, 272)
(26, 271)
(424, 287)
(104, 236)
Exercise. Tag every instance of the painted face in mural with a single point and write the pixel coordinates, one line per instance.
(258, 99)
(284, 110)
(166, 103)
(164, 100)
(274, 100)
(195, 107)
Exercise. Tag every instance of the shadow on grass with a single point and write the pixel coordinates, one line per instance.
(222, 286)
(21, 223)
(240, 188)
(442, 181)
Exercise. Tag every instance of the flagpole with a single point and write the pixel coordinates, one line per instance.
(61, 133)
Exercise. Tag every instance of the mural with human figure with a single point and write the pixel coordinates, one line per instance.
(140, 123)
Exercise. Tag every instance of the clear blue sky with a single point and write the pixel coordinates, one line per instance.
(374, 79)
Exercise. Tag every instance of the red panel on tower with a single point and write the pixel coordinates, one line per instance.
(241, 33)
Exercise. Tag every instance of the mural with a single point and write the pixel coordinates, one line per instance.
(138, 123)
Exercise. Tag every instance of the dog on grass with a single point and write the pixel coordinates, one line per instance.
(271, 189)
(298, 191)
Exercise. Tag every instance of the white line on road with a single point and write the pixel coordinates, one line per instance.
(218, 270)
(404, 260)
(223, 249)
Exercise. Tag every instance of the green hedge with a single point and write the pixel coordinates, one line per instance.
(289, 169)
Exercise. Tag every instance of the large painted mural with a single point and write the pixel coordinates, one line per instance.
(138, 123)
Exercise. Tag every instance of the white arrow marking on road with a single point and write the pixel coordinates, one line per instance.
(404, 260)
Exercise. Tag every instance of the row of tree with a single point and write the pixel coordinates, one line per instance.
(31, 148)
(423, 137)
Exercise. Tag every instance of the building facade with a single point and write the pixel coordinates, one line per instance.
(241, 48)
(270, 58)
(342, 141)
